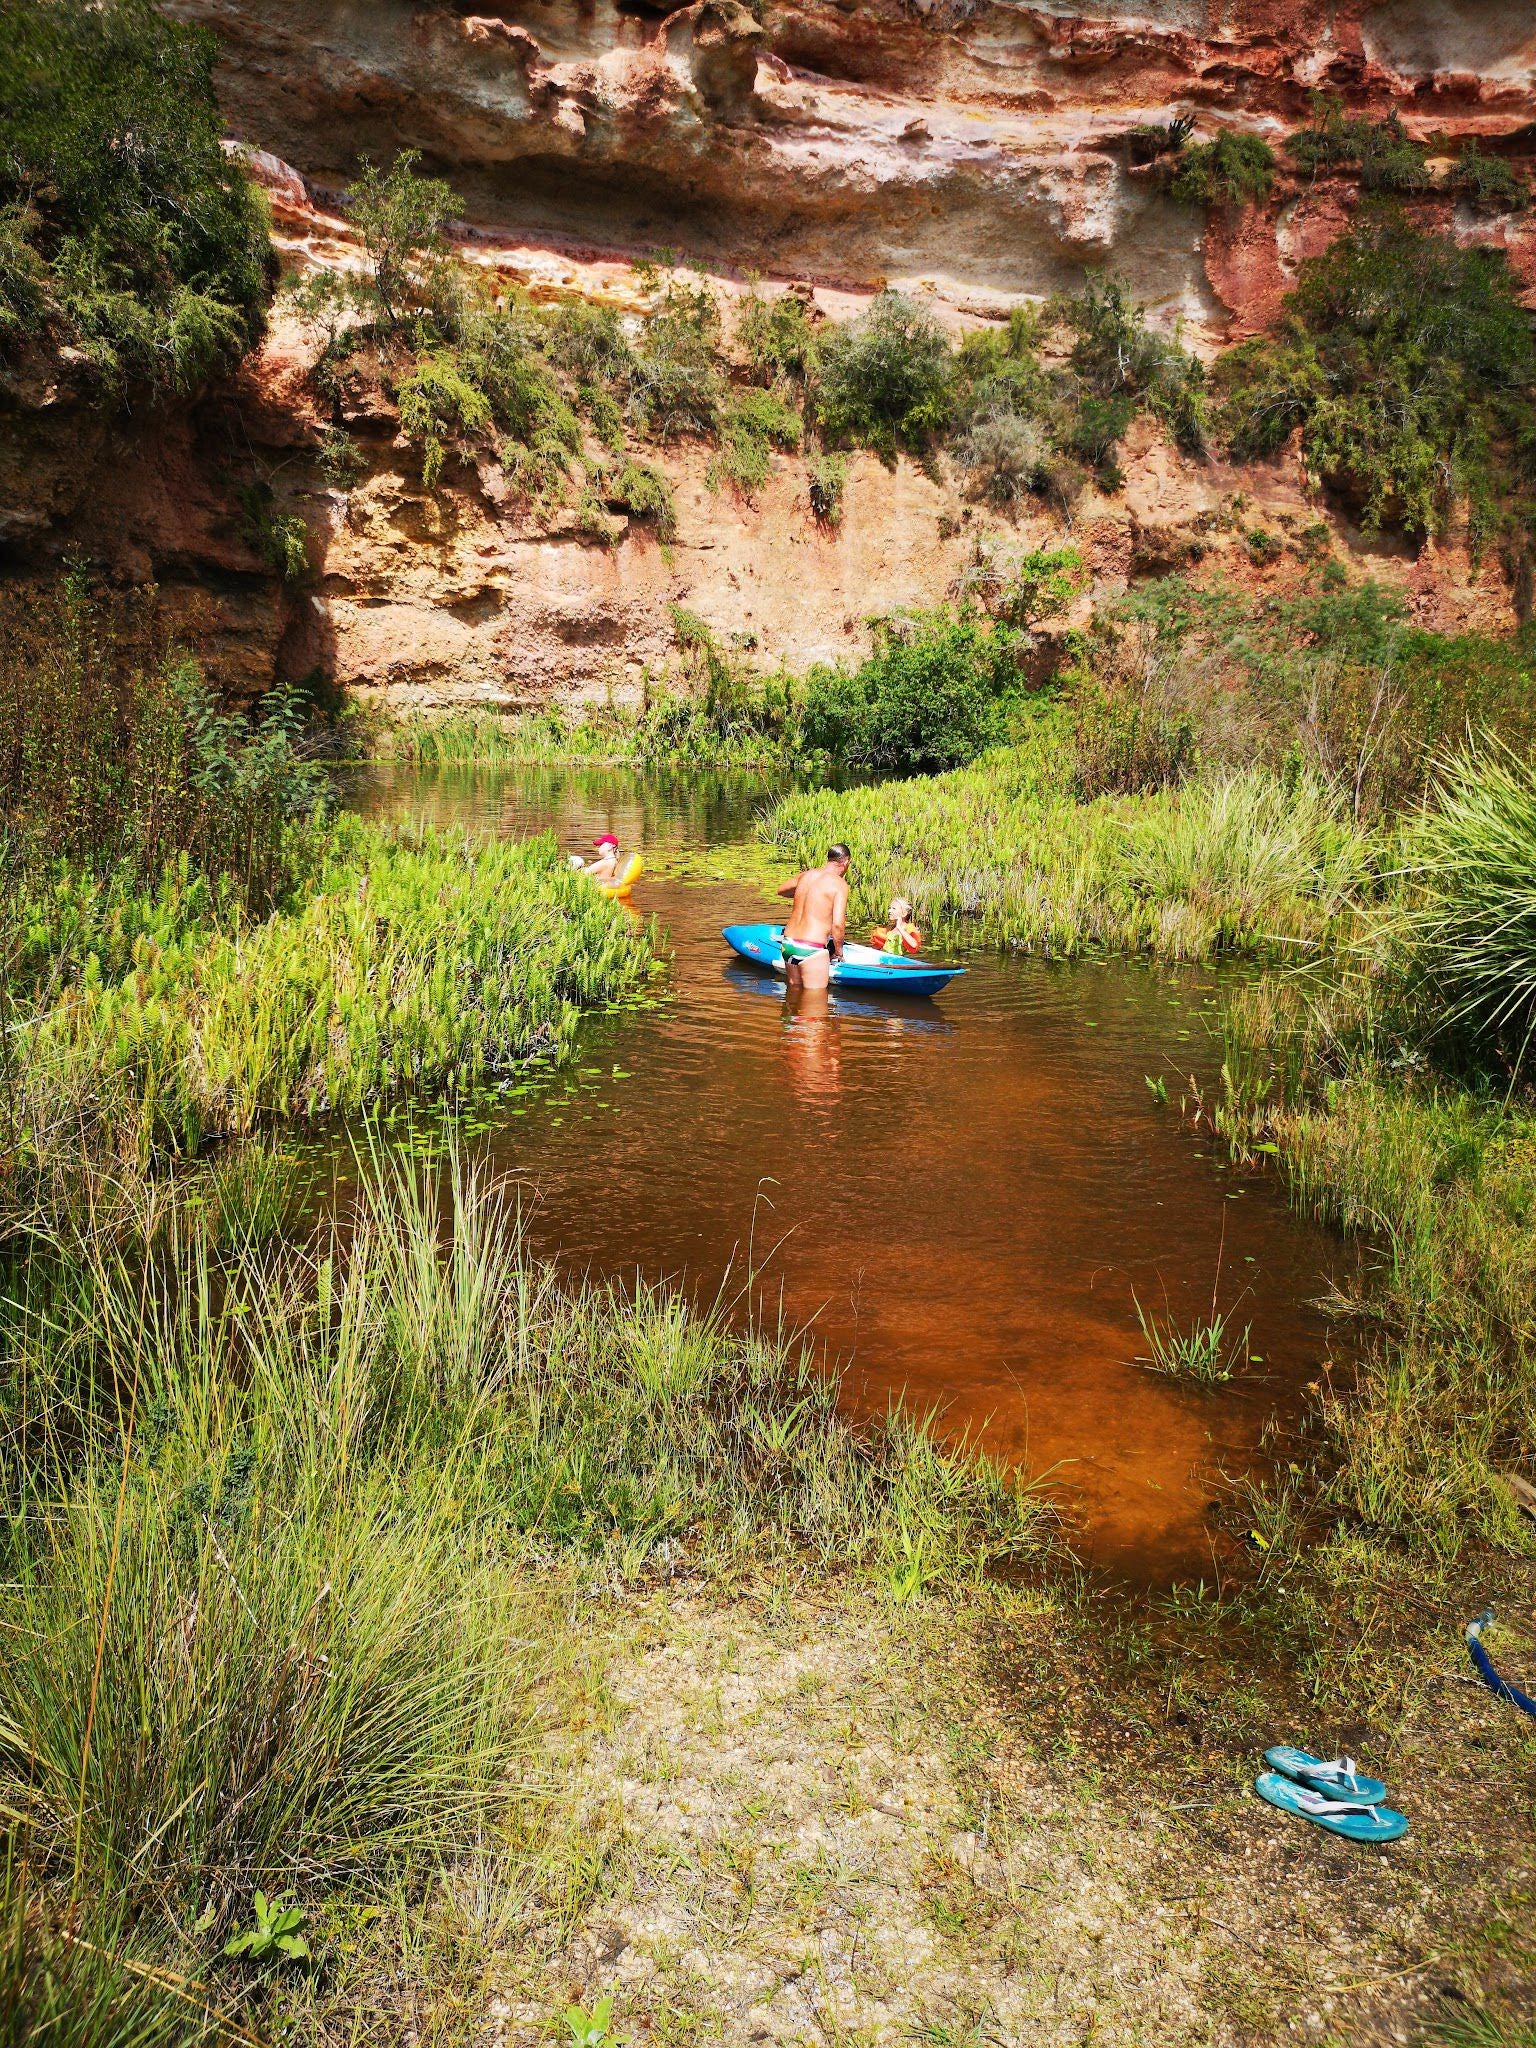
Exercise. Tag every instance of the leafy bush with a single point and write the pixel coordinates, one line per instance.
(888, 380)
(114, 755)
(779, 339)
(1328, 675)
(1004, 457)
(752, 425)
(1096, 431)
(1391, 161)
(1020, 590)
(127, 231)
(939, 689)
(1384, 153)
(825, 480)
(1488, 180)
(1118, 356)
(1331, 140)
(1231, 170)
(1001, 372)
(589, 343)
(1410, 366)
(400, 217)
(675, 385)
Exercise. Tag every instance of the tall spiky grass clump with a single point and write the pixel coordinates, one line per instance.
(1474, 929)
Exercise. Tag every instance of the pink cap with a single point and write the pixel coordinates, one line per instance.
(606, 839)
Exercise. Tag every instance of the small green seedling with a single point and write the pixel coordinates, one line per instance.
(909, 1577)
(590, 2029)
(276, 1932)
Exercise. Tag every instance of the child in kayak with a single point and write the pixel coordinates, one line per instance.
(898, 934)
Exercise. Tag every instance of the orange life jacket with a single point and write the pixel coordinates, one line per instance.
(889, 940)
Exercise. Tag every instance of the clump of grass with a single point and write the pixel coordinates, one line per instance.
(1474, 932)
(1208, 1352)
(1331, 1075)
(1237, 864)
(459, 738)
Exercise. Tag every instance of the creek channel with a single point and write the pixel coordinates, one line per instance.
(963, 1201)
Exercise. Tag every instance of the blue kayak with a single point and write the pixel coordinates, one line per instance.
(860, 967)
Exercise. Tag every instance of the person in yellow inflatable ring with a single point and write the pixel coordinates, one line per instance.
(898, 934)
(606, 867)
(613, 876)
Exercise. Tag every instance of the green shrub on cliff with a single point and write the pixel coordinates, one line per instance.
(754, 424)
(889, 377)
(400, 217)
(1231, 170)
(779, 339)
(1116, 355)
(1488, 180)
(126, 230)
(1410, 366)
(675, 386)
(1383, 153)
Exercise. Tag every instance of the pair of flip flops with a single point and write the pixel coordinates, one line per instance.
(1332, 1795)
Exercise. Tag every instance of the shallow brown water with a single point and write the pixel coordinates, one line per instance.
(962, 1198)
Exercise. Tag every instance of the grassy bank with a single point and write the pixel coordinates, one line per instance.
(192, 943)
(313, 1520)
(1004, 852)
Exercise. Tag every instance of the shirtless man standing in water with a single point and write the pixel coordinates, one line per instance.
(813, 931)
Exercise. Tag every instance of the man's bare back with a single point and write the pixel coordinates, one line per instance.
(813, 931)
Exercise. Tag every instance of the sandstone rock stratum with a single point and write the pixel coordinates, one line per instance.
(971, 151)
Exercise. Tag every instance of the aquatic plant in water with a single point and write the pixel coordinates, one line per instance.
(1208, 1351)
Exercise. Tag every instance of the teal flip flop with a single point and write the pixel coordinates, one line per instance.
(1353, 1819)
(1336, 1780)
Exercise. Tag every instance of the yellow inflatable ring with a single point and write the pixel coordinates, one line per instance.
(621, 885)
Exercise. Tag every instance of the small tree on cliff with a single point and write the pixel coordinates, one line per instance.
(400, 217)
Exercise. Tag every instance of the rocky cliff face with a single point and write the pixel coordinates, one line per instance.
(972, 151)
(976, 148)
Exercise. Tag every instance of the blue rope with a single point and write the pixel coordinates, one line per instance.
(1484, 1665)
